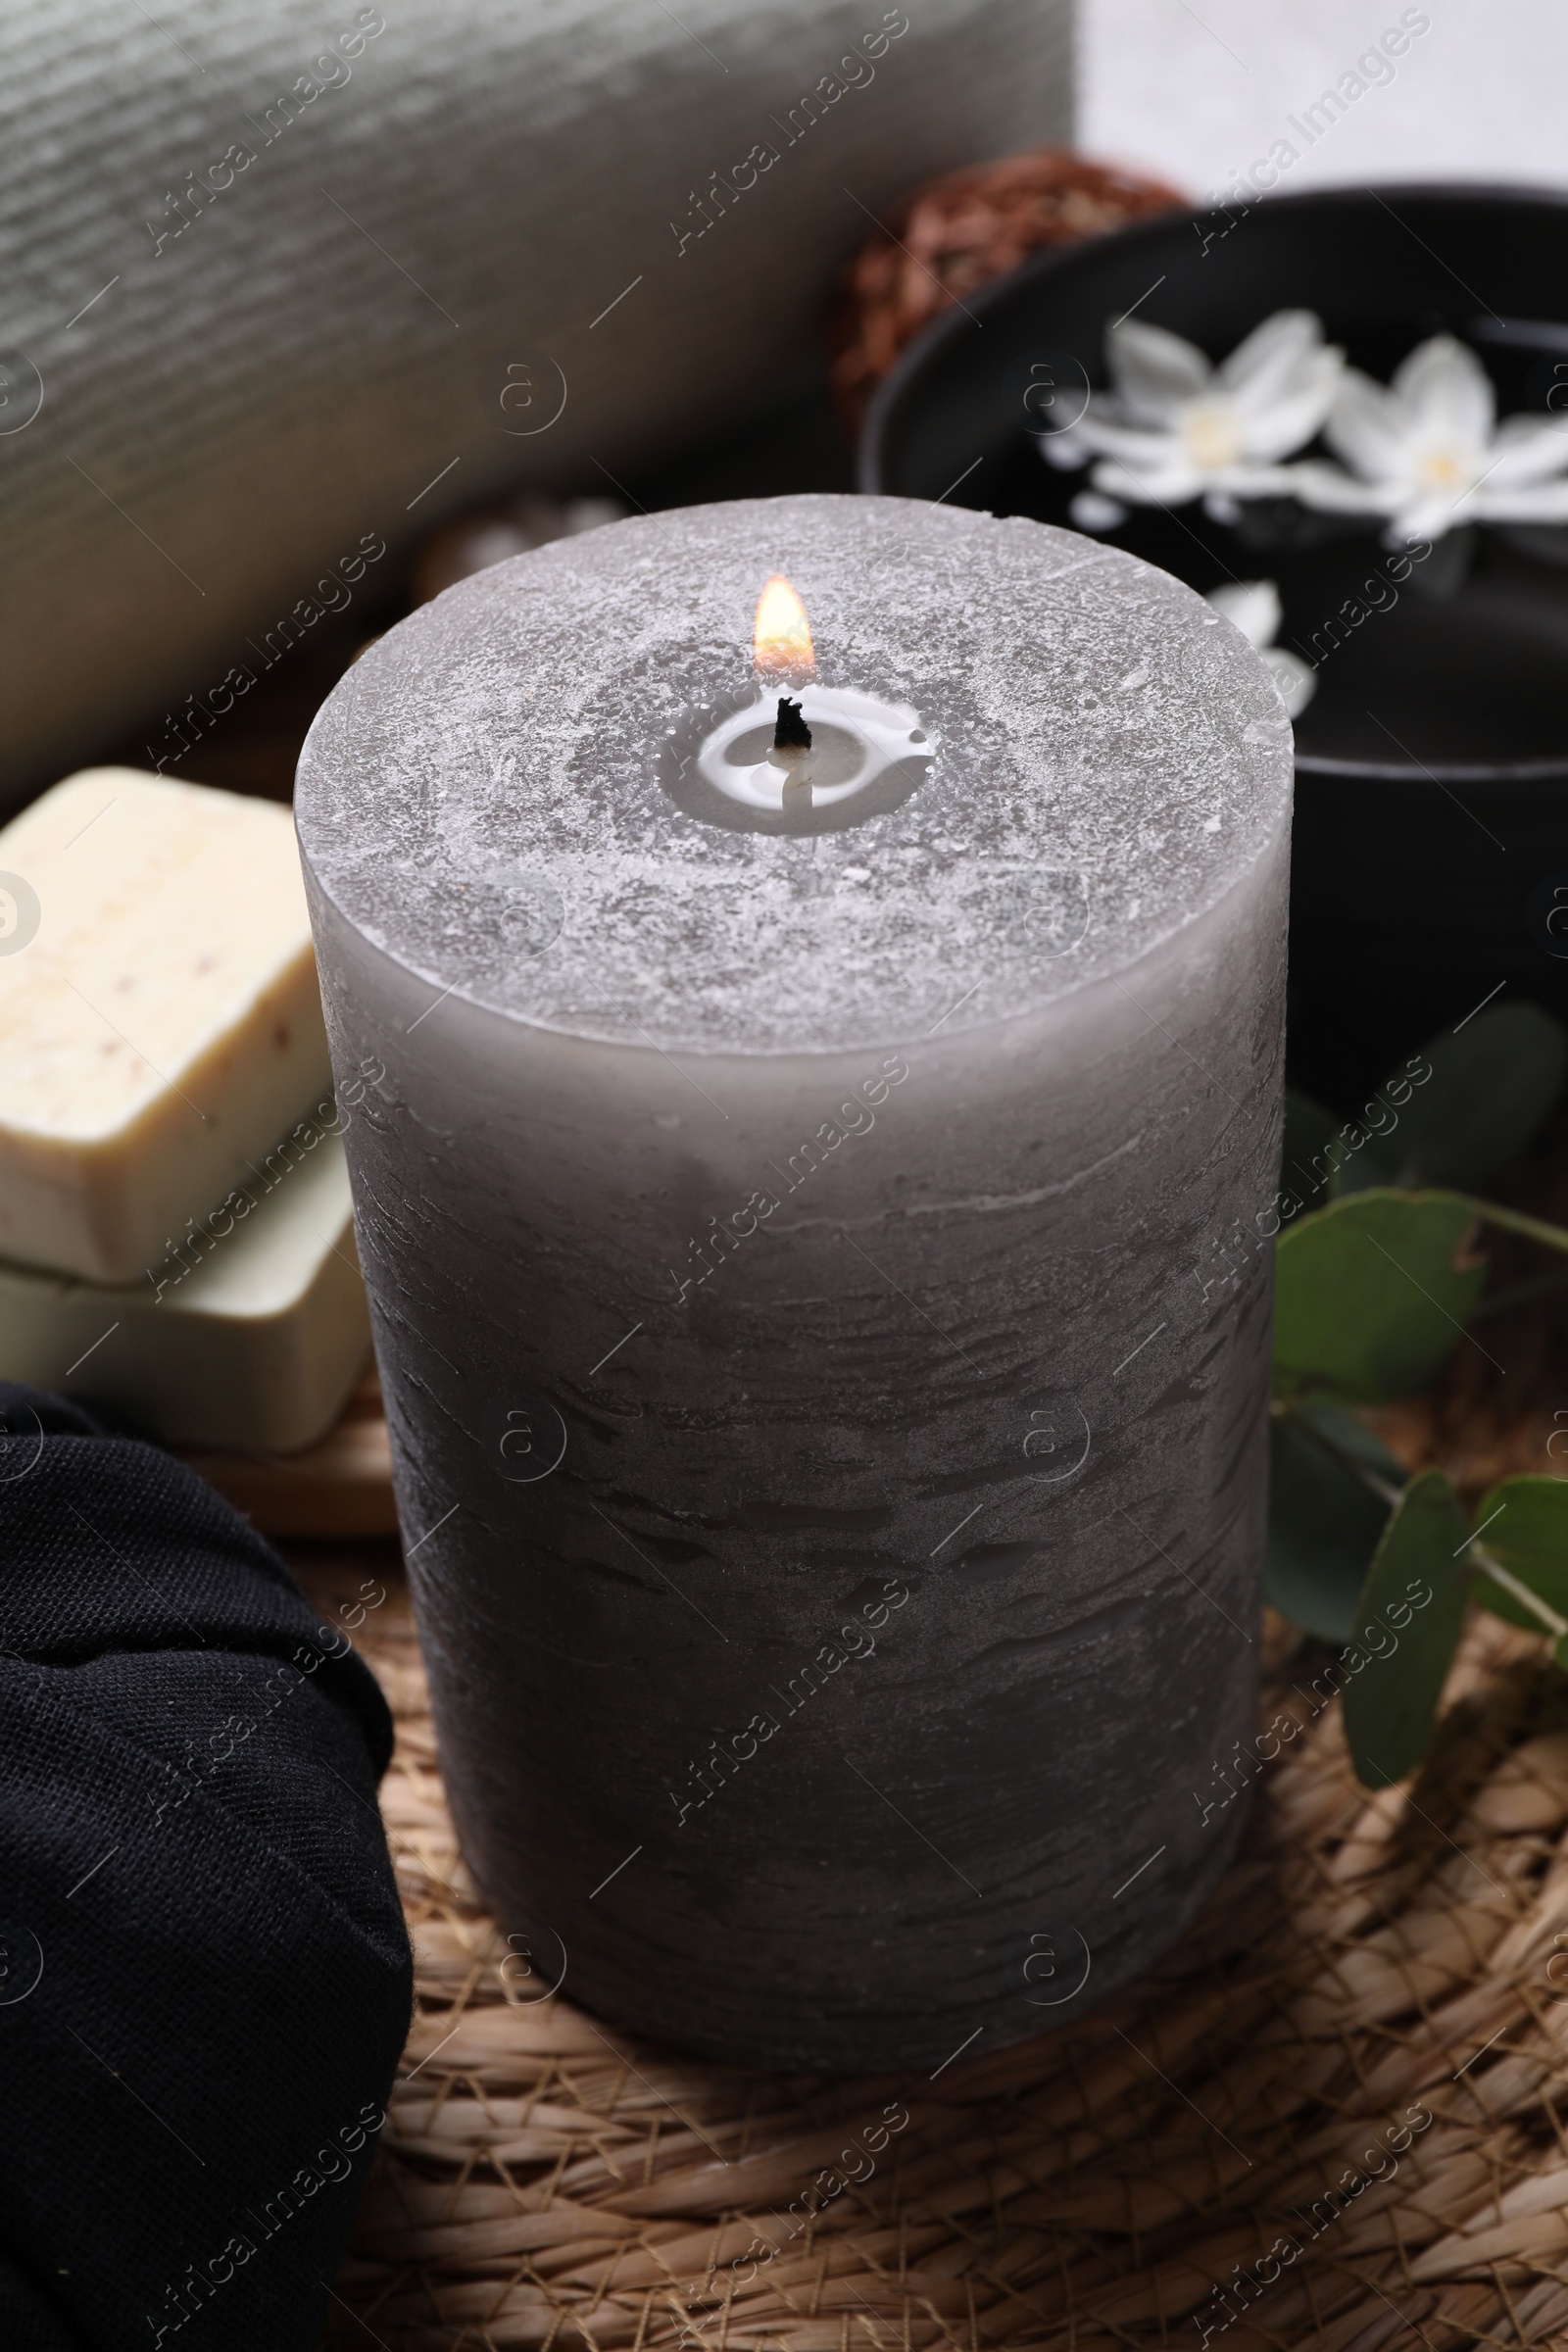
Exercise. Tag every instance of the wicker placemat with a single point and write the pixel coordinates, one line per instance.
(1370, 1962)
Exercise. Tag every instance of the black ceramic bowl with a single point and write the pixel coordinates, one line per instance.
(1432, 795)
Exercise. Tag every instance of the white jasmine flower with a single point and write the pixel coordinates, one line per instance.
(1091, 512)
(1253, 606)
(1426, 450)
(1175, 427)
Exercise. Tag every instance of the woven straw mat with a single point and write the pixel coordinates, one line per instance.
(1248, 2118)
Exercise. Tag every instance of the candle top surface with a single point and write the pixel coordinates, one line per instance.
(496, 793)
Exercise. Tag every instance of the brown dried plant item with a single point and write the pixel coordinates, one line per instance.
(957, 233)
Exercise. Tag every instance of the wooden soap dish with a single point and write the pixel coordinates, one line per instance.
(340, 1487)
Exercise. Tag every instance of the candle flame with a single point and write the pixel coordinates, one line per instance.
(782, 638)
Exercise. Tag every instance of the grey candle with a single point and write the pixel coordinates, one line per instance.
(828, 1396)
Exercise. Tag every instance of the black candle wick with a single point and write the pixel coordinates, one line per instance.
(791, 732)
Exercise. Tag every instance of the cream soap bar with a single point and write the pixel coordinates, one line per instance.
(252, 1347)
(159, 1023)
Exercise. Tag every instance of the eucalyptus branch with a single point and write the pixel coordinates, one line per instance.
(1373, 1285)
(1514, 1220)
(1540, 1609)
(1284, 1408)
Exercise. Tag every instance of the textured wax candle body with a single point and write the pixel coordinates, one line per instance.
(827, 1392)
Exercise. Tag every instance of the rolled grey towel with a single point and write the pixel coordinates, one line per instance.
(277, 299)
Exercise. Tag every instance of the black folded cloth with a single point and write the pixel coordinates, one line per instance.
(205, 1979)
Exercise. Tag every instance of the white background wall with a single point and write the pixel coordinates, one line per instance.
(1195, 89)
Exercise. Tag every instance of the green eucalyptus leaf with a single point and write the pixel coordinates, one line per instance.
(1451, 1114)
(1306, 1159)
(1347, 1434)
(1522, 1522)
(1370, 1149)
(1491, 1087)
(1406, 1631)
(1378, 1160)
(1324, 1520)
(1323, 1157)
(1372, 1293)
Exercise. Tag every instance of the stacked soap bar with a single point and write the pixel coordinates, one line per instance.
(163, 1251)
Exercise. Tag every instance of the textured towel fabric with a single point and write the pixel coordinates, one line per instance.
(204, 1973)
(283, 285)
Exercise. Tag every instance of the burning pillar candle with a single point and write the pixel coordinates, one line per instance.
(774, 765)
(815, 1216)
